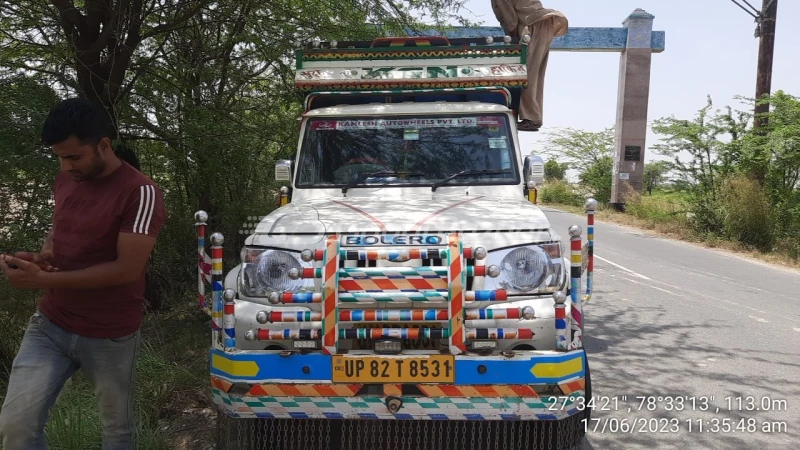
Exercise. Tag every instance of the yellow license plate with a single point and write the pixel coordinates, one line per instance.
(394, 369)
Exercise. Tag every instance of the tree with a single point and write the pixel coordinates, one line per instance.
(708, 140)
(99, 49)
(555, 171)
(654, 174)
(580, 149)
(597, 178)
(98, 40)
(201, 90)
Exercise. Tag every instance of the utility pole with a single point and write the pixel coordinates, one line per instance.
(766, 32)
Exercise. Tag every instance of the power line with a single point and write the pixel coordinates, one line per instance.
(756, 16)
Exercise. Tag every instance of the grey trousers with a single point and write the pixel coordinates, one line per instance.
(48, 356)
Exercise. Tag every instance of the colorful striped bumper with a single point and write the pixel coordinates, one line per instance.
(419, 408)
(259, 385)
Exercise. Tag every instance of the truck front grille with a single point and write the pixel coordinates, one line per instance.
(370, 301)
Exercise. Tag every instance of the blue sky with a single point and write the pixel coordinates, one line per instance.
(710, 50)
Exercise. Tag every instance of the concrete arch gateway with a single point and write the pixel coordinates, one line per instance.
(636, 41)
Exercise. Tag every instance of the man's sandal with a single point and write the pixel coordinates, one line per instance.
(527, 125)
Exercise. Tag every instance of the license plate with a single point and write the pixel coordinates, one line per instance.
(397, 369)
(408, 344)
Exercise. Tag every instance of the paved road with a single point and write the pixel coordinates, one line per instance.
(671, 320)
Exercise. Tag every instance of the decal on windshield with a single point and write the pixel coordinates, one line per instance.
(498, 142)
(383, 124)
(489, 121)
(411, 135)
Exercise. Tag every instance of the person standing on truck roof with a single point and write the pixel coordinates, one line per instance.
(528, 17)
(105, 223)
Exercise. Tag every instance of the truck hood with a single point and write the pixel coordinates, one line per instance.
(438, 213)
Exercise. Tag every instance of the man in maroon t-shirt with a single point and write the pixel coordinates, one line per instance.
(92, 267)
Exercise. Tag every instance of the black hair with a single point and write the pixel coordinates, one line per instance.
(127, 154)
(76, 117)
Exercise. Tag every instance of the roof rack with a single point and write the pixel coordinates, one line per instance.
(413, 63)
(412, 41)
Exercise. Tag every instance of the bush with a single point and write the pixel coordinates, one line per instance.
(747, 213)
(656, 207)
(559, 192)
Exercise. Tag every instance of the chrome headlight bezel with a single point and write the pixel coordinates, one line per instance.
(553, 268)
(251, 280)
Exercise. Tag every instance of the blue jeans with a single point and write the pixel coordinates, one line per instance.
(48, 356)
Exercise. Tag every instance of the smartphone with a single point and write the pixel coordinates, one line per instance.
(14, 266)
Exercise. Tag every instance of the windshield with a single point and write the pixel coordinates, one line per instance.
(407, 150)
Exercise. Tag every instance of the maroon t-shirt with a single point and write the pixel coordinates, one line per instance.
(88, 217)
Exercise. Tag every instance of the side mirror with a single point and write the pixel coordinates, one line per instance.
(533, 175)
(283, 170)
(533, 171)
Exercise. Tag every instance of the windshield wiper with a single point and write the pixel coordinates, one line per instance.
(366, 176)
(466, 173)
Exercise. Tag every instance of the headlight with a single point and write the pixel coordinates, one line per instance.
(267, 270)
(527, 269)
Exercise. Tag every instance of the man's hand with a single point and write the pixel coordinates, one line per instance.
(43, 259)
(27, 275)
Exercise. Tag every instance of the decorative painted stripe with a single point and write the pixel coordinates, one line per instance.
(590, 253)
(268, 335)
(458, 280)
(201, 270)
(449, 390)
(398, 333)
(406, 53)
(270, 368)
(304, 390)
(436, 213)
(369, 216)
(294, 316)
(424, 296)
(229, 323)
(331, 295)
(524, 370)
(561, 327)
(219, 383)
(498, 313)
(568, 387)
(424, 408)
(388, 284)
(435, 83)
(395, 390)
(301, 297)
(216, 289)
(575, 291)
(482, 296)
(499, 333)
(262, 367)
(392, 315)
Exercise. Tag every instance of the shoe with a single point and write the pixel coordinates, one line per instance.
(527, 125)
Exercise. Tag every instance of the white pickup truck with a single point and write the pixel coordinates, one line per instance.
(408, 277)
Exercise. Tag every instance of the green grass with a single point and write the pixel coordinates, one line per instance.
(171, 382)
(665, 213)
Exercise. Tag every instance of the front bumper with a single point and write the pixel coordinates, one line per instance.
(531, 385)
